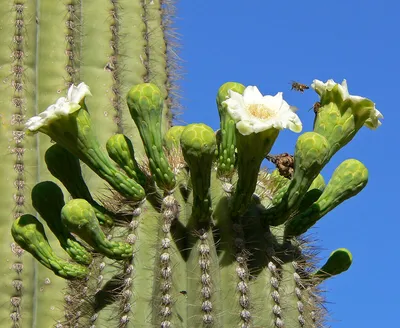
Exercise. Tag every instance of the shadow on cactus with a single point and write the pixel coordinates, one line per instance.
(202, 235)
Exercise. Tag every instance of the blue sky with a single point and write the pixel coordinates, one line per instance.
(270, 43)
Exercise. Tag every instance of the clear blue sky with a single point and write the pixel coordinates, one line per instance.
(268, 44)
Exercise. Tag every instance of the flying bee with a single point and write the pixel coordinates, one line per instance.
(299, 86)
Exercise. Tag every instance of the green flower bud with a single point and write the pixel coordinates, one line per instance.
(68, 123)
(227, 145)
(311, 155)
(48, 200)
(350, 177)
(29, 233)
(145, 104)
(65, 167)
(79, 218)
(120, 149)
(313, 193)
(339, 261)
(198, 144)
(341, 115)
(173, 136)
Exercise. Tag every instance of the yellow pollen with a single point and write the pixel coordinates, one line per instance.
(259, 111)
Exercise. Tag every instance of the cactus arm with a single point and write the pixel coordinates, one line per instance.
(29, 233)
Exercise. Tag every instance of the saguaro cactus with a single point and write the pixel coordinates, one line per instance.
(45, 47)
(167, 227)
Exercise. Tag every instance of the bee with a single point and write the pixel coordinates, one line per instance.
(299, 86)
(316, 107)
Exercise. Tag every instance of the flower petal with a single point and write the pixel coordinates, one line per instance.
(373, 121)
(77, 94)
(252, 95)
(278, 113)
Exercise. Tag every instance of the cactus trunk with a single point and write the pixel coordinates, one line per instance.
(47, 45)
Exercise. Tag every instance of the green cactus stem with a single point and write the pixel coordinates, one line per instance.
(251, 149)
(341, 115)
(146, 106)
(339, 261)
(313, 193)
(120, 150)
(48, 200)
(65, 167)
(311, 155)
(73, 132)
(198, 146)
(79, 217)
(349, 178)
(29, 233)
(227, 144)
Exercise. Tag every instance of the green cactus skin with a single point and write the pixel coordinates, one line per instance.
(46, 45)
(29, 233)
(179, 258)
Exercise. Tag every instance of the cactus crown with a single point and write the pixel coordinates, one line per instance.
(194, 213)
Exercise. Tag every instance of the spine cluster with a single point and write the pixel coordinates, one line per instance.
(169, 213)
(17, 148)
(113, 65)
(128, 275)
(72, 38)
(242, 273)
(206, 281)
(274, 281)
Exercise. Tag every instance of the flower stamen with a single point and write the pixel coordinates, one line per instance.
(260, 111)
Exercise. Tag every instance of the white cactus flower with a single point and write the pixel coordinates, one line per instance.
(254, 113)
(63, 107)
(374, 115)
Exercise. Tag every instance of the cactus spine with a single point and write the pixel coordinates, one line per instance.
(167, 227)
